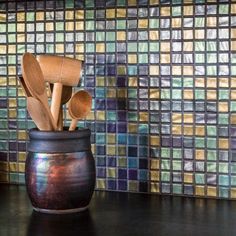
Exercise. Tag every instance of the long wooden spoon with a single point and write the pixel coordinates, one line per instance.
(65, 97)
(35, 108)
(35, 83)
(60, 71)
(80, 105)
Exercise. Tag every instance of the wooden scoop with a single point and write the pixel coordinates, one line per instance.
(65, 97)
(80, 105)
(35, 109)
(60, 71)
(35, 84)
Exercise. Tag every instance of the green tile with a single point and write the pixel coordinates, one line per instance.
(153, 23)
(223, 192)
(165, 176)
(49, 48)
(211, 57)
(211, 155)
(211, 131)
(165, 93)
(176, 94)
(223, 119)
(224, 8)
(14, 178)
(176, 82)
(3, 135)
(69, 3)
(3, 28)
(12, 134)
(176, 11)
(90, 47)
(3, 113)
(89, 3)
(3, 124)
(89, 25)
(232, 106)
(199, 57)
(177, 189)
(212, 46)
(165, 152)
(60, 37)
(121, 2)
(188, 82)
(100, 36)
(59, 26)
(199, 22)
(199, 46)
(132, 93)
(110, 47)
(165, 165)
(224, 168)
(23, 125)
(154, 47)
(132, 116)
(199, 142)
(177, 165)
(110, 36)
(132, 47)
(143, 47)
(21, 178)
(211, 70)
(233, 168)
(121, 24)
(177, 153)
(21, 48)
(199, 94)
(211, 167)
(3, 146)
(223, 94)
(211, 142)
(11, 27)
(89, 14)
(11, 38)
(30, 16)
(199, 178)
(233, 180)
(142, 58)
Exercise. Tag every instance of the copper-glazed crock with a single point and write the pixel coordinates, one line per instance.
(60, 170)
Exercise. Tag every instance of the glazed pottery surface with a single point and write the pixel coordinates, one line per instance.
(60, 170)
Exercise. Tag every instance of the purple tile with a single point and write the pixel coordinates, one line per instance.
(211, 179)
(166, 141)
(12, 156)
(133, 174)
(111, 161)
(122, 174)
(111, 127)
(122, 115)
(122, 185)
(121, 81)
(101, 172)
(111, 104)
(3, 156)
(143, 163)
(143, 187)
(177, 141)
(122, 128)
(111, 184)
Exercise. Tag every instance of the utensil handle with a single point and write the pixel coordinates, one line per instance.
(73, 124)
(60, 120)
(56, 101)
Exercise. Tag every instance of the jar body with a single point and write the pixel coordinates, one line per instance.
(60, 179)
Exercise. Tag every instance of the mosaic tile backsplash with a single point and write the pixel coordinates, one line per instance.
(163, 80)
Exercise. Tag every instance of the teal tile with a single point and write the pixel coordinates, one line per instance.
(21, 178)
(121, 2)
(21, 113)
(3, 146)
(143, 128)
(211, 142)
(69, 3)
(23, 125)
(100, 138)
(199, 178)
(177, 189)
(12, 134)
(233, 181)
(223, 119)
(199, 94)
(3, 124)
(3, 113)
(232, 106)
(89, 25)
(3, 28)
(233, 168)
(90, 47)
(223, 94)
(154, 47)
(3, 135)
(224, 180)
(132, 47)
(132, 116)
(111, 116)
(110, 47)
(223, 192)
(177, 82)
(100, 36)
(132, 70)
(13, 177)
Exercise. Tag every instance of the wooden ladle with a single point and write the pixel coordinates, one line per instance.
(60, 71)
(80, 105)
(35, 109)
(34, 81)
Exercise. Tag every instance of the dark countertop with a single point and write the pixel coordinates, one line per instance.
(123, 214)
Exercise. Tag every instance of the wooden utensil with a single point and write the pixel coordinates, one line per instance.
(60, 71)
(35, 83)
(66, 95)
(80, 105)
(35, 109)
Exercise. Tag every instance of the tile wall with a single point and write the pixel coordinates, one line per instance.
(163, 80)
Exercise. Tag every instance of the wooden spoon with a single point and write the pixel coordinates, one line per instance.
(35, 83)
(35, 109)
(66, 95)
(60, 71)
(80, 105)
